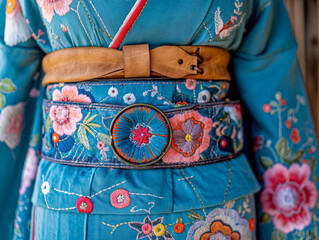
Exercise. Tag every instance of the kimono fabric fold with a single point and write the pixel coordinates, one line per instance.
(147, 145)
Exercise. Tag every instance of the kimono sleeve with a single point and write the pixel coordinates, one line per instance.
(285, 156)
(20, 60)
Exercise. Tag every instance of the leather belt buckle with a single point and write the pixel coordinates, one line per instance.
(141, 135)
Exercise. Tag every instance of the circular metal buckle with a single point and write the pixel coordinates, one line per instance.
(141, 134)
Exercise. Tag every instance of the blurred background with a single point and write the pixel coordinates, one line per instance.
(304, 18)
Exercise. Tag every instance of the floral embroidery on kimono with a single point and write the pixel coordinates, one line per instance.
(16, 28)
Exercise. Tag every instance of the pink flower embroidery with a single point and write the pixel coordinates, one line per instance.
(11, 124)
(69, 94)
(288, 195)
(100, 145)
(29, 170)
(190, 137)
(190, 84)
(61, 7)
(147, 228)
(120, 198)
(141, 135)
(65, 118)
(84, 205)
(16, 124)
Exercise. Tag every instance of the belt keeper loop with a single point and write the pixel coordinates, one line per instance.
(136, 60)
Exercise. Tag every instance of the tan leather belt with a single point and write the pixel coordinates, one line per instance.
(87, 63)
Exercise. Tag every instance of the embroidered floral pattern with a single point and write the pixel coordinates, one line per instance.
(129, 98)
(65, 118)
(16, 29)
(190, 137)
(69, 93)
(190, 84)
(220, 224)
(29, 170)
(84, 205)
(120, 198)
(153, 230)
(204, 96)
(11, 124)
(179, 227)
(48, 7)
(288, 195)
(294, 136)
(224, 30)
(140, 134)
(45, 188)
(6, 86)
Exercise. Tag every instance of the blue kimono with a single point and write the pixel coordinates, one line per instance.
(61, 177)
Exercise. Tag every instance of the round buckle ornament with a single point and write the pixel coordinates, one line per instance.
(141, 134)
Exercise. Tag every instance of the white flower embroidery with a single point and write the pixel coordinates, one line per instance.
(113, 92)
(204, 96)
(129, 98)
(45, 188)
(11, 124)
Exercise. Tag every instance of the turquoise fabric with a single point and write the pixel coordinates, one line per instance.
(281, 150)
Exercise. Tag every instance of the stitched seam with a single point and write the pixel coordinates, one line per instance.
(229, 181)
(132, 81)
(200, 27)
(107, 107)
(156, 165)
(200, 199)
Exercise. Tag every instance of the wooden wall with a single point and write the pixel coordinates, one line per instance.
(304, 18)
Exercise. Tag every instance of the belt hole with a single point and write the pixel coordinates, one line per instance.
(180, 61)
(193, 67)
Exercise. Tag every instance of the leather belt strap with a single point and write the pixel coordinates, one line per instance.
(88, 63)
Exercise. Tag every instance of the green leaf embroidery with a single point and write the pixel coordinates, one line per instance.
(89, 130)
(195, 216)
(90, 119)
(34, 140)
(298, 155)
(312, 162)
(7, 86)
(266, 162)
(86, 117)
(105, 138)
(83, 138)
(94, 125)
(48, 123)
(2, 101)
(239, 209)
(265, 218)
(282, 149)
(277, 235)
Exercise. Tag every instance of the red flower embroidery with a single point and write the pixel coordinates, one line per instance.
(141, 135)
(294, 136)
(147, 228)
(84, 205)
(252, 224)
(288, 195)
(179, 227)
(288, 124)
(283, 102)
(267, 108)
(120, 198)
